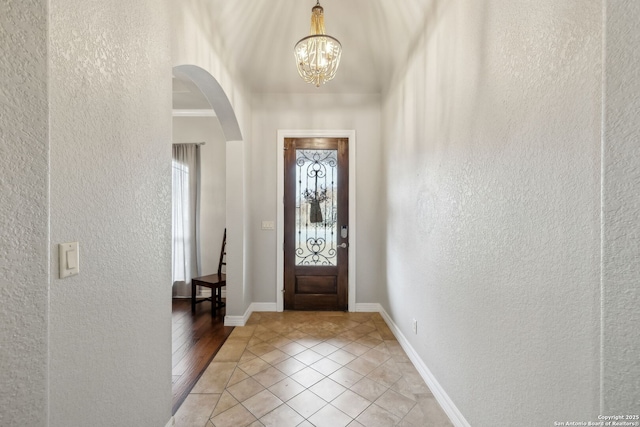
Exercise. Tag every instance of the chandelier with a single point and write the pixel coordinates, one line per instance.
(317, 55)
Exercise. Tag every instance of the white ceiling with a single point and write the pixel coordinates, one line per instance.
(255, 38)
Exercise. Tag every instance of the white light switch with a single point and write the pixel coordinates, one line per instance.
(268, 225)
(69, 259)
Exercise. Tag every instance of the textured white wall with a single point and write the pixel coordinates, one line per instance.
(24, 176)
(318, 112)
(212, 186)
(621, 209)
(492, 159)
(110, 115)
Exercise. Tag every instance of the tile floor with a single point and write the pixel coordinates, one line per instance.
(320, 369)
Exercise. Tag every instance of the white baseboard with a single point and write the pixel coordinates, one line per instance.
(255, 306)
(171, 423)
(441, 396)
(369, 307)
(263, 306)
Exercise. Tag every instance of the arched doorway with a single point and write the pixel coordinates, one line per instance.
(211, 100)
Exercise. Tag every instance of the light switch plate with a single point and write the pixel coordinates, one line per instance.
(69, 256)
(268, 225)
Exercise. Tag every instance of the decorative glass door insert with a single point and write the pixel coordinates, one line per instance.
(316, 207)
(316, 223)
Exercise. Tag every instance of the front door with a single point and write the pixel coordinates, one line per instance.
(316, 223)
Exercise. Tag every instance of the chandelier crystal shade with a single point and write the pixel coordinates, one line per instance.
(317, 55)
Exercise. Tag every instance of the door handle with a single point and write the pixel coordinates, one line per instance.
(343, 245)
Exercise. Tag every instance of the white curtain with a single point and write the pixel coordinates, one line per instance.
(186, 206)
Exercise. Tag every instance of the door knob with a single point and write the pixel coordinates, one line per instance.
(343, 245)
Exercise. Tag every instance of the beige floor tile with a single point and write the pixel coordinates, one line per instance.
(246, 356)
(237, 376)
(338, 342)
(236, 416)
(308, 341)
(326, 366)
(351, 403)
(400, 357)
(306, 360)
(307, 377)
(295, 335)
(195, 410)
(369, 341)
(279, 341)
(282, 416)
(376, 356)
(369, 389)
(394, 347)
(346, 377)
(395, 403)
(262, 403)
(356, 349)
(269, 377)
(226, 402)
(365, 328)
(362, 366)
(215, 377)
(351, 335)
(290, 366)
(293, 348)
(274, 357)
(254, 366)
(375, 416)
(386, 334)
(342, 357)
(401, 386)
(245, 389)
(385, 375)
(433, 412)
(242, 331)
(324, 348)
(382, 348)
(255, 340)
(308, 357)
(286, 389)
(415, 418)
(262, 348)
(407, 368)
(327, 389)
(416, 383)
(306, 403)
(230, 353)
(266, 336)
(330, 416)
(375, 334)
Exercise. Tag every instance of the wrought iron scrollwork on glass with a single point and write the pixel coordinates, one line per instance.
(316, 207)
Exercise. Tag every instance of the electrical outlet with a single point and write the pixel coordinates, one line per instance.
(414, 326)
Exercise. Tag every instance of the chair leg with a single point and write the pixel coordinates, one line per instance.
(213, 301)
(193, 297)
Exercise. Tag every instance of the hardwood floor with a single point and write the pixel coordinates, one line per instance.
(195, 341)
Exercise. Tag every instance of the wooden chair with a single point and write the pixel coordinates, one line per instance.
(213, 281)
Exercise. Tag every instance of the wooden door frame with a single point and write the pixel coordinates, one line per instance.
(351, 136)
